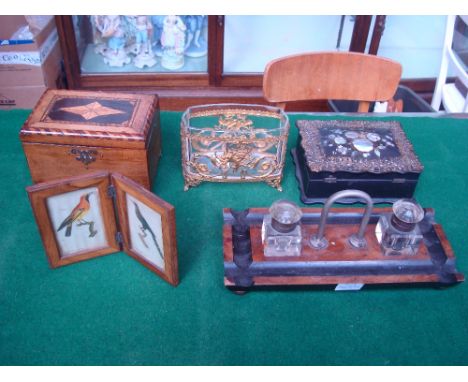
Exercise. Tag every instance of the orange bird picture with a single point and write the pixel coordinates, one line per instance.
(77, 214)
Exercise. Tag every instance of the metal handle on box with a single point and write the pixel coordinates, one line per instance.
(318, 241)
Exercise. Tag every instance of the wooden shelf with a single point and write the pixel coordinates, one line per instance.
(179, 99)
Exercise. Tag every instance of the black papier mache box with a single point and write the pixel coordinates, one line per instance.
(372, 156)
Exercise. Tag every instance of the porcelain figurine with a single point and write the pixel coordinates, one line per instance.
(173, 42)
(143, 49)
(158, 24)
(111, 29)
(196, 44)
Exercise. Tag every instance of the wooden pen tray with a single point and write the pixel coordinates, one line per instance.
(245, 265)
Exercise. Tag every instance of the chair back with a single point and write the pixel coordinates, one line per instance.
(331, 75)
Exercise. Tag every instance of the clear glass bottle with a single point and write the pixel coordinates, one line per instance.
(281, 231)
(398, 233)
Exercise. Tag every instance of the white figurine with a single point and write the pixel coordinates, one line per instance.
(111, 29)
(144, 54)
(173, 42)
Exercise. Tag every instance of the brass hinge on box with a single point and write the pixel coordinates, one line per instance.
(111, 191)
(119, 239)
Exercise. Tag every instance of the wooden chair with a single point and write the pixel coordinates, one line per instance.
(331, 75)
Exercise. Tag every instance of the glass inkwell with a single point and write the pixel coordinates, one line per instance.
(281, 230)
(398, 233)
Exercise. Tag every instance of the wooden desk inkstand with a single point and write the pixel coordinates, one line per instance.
(395, 245)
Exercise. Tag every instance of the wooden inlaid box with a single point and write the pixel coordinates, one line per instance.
(76, 132)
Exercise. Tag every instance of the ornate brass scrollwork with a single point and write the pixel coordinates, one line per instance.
(233, 149)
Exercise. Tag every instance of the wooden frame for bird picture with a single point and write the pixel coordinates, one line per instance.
(53, 202)
(148, 228)
(97, 214)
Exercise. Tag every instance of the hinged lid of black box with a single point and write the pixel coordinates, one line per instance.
(372, 156)
(357, 146)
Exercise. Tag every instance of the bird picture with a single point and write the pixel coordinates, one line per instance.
(146, 228)
(77, 216)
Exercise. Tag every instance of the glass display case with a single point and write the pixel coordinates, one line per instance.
(141, 44)
(415, 42)
(192, 51)
(250, 42)
(203, 59)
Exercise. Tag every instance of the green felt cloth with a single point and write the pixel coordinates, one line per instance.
(113, 311)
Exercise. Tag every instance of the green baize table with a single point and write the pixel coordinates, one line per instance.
(113, 311)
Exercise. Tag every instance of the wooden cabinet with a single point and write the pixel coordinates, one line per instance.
(204, 82)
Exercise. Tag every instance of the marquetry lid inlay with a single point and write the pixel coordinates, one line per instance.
(91, 110)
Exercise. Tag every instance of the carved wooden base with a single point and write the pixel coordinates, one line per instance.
(246, 266)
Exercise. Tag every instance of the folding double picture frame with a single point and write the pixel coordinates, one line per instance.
(92, 215)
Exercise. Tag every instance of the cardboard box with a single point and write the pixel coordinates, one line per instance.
(28, 64)
(20, 97)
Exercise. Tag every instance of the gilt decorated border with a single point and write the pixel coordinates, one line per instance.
(317, 161)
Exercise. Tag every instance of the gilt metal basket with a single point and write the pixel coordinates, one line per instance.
(233, 143)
